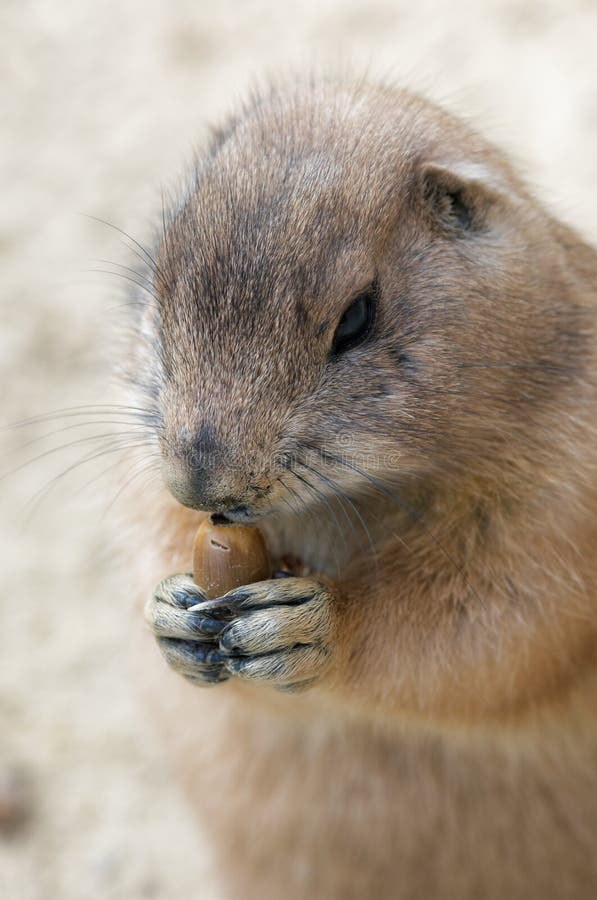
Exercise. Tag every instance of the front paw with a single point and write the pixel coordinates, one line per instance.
(188, 639)
(277, 631)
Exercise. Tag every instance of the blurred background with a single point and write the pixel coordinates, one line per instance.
(101, 104)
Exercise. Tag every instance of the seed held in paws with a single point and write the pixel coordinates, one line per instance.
(226, 555)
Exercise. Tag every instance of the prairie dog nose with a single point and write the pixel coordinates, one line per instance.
(199, 473)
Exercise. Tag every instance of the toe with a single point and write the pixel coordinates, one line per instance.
(271, 629)
(285, 668)
(167, 622)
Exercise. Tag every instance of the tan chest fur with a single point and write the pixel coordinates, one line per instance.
(332, 806)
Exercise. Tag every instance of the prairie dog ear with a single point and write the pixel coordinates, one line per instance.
(459, 196)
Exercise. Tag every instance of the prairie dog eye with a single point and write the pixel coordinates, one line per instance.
(356, 322)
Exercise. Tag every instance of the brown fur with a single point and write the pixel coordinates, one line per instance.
(448, 748)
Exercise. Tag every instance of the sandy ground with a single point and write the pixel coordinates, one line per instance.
(100, 104)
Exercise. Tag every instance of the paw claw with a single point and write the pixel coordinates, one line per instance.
(188, 598)
(227, 640)
(215, 608)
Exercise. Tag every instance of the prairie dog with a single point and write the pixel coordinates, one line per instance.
(369, 339)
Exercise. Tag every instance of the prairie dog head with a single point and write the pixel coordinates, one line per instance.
(352, 275)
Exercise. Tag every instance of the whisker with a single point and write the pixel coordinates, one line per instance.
(285, 500)
(35, 501)
(129, 278)
(414, 517)
(302, 506)
(73, 411)
(341, 495)
(146, 254)
(75, 425)
(52, 450)
(154, 456)
(317, 493)
(336, 496)
(118, 265)
(150, 465)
